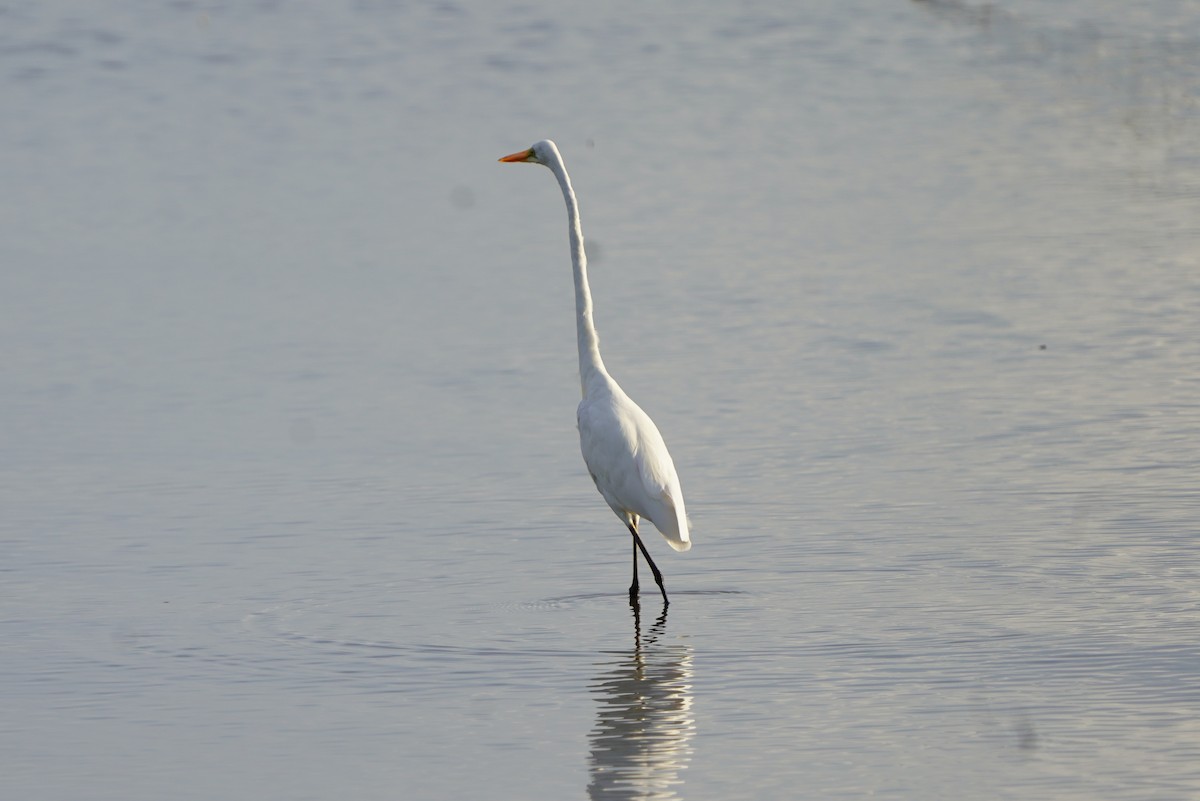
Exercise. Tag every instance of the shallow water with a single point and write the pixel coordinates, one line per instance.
(292, 500)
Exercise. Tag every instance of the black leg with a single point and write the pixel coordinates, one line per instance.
(637, 541)
(633, 588)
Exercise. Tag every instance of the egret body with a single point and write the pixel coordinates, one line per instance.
(624, 452)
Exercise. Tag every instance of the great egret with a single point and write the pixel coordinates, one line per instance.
(624, 452)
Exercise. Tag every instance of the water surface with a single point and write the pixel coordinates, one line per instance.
(292, 500)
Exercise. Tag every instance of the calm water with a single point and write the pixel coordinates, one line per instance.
(292, 505)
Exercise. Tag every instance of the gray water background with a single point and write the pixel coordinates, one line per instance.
(291, 504)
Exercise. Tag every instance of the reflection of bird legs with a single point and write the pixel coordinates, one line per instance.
(639, 545)
(656, 628)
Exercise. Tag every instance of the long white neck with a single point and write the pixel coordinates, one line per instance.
(591, 366)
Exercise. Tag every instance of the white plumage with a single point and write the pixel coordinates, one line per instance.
(624, 452)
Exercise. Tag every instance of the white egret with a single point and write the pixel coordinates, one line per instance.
(624, 452)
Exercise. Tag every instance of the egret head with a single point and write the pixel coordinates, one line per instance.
(543, 152)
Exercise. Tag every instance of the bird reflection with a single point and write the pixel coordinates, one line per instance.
(644, 725)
